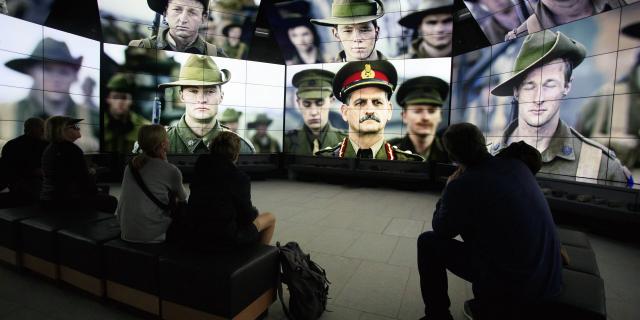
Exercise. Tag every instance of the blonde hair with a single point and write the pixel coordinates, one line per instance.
(54, 128)
(150, 137)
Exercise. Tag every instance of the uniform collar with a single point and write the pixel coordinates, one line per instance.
(374, 148)
(190, 139)
(561, 143)
(323, 133)
(198, 46)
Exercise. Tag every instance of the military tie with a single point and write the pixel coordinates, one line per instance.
(365, 154)
(316, 146)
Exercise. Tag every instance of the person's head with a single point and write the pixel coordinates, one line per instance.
(119, 97)
(358, 40)
(314, 96)
(54, 79)
(34, 127)
(541, 91)
(185, 17)
(421, 99)
(62, 128)
(153, 140)
(233, 32)
(437, 29)
(302, 37)
(226, 145)
(260, 124)
(565, 7)
(230, 118)
(465, 144)
(367, 110)
(201, 102)
(422, 119)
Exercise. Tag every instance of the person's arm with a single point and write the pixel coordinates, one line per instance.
(77, 164)
(177, 188)
(452, 210)
(246, 211)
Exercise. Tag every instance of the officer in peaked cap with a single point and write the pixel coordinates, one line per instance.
(421, 100)
(546, 59)
(365, 89)
(314, 97)
(200, 82)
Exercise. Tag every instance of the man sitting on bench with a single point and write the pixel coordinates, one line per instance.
(510, 251)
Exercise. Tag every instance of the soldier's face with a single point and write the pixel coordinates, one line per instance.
(119, 103)
(315, 112)
(184, 17)
(358, 40)
(234, 35)
(301, 37)
(436, 29)
(261, 129)
(368, 110)
(539, 94)
(422, 119)
(201, 103)
(54, 78)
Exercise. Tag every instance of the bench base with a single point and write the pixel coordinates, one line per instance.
(9, 256)
(174, 311)
(41, 266)
(82, 281)
(133, 297)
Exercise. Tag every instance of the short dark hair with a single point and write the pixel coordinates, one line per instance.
(226, 144)
(465, 143)
(33, 123)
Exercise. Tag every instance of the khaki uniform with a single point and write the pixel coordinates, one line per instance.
(268, 145)
(237, 52)
(575, 157)
(435, 153)
(122, 138)
(30, 107)
(342, 57)
(183, 140)
(200, 46)
(417, 51)
(387, 152)
(301, 141)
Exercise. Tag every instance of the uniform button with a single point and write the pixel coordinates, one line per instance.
(190, 143)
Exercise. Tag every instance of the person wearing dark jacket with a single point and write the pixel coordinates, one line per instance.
(68, 183)
(219, 207)
(21, 168)
(510, 250)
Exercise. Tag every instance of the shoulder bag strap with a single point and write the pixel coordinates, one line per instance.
(144, 188)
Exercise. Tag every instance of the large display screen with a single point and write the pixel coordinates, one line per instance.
(571, 91)
(46, 72)
(213, 27)
(195, 96)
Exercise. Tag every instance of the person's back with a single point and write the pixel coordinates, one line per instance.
(66, 176)
(22, 166)
(506, 220)
(141, 219)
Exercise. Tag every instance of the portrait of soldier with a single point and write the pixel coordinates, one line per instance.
(421, 99)
(314, 97)
(303, 42)
(550, 13)
(262, 141)
(597, 121)
(365, 89)
(200, 89)
(354, 24)
(233, 47)
(504, 18)
(121, 124)
(230, 119)
(432, 27)
(542, 77)
(49, 94)
(184, 19)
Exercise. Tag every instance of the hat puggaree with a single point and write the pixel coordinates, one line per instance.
(199, 71)
(352, 12)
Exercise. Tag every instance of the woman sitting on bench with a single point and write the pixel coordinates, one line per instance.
(220, 208)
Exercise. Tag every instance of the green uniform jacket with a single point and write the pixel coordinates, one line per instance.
(387, 152)
(124, 140)
(572, 156)
(271, 145)
(32, 107)
(342, 57)
(183, 140)
(300, 141)
(595, 120)
(435, 153)
(200, 46)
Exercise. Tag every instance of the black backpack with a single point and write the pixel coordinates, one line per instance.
(307, 283)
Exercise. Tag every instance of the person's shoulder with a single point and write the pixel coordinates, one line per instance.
(329, 151)
(292, 133)
(142, 43)
(606, 151)
(406, 155)
(395, 141)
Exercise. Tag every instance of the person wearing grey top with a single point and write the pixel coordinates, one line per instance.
(142, 220)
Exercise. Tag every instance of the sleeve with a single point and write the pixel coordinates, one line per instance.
(177, 188)
(246, 211)
(451, 214)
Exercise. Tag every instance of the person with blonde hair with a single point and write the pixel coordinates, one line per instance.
(149, 186)
(68, 183)
(220, 208)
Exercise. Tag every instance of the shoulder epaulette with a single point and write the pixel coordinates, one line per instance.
(328, 150)
(408, 154)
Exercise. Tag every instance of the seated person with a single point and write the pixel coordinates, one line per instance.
(21, 166)
(141, 219)
(68, 183)
(510, 251)
(220, 209)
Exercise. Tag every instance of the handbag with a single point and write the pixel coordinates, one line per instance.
(178, 210)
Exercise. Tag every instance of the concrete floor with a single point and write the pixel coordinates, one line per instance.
(365, 238)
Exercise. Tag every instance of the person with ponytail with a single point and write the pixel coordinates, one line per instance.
(150, 184)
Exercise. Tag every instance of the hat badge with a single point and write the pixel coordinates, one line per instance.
(367, 73)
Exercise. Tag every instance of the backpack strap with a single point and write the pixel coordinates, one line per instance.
(146, 190)
(280, 293)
